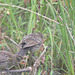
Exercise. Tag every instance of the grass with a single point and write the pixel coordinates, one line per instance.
(54, 18)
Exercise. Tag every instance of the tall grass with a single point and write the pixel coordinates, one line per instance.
(62, 36)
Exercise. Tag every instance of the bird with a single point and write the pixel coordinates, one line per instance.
(31, 42)
(7, 60)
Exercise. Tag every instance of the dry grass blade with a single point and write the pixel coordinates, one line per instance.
(37, 62)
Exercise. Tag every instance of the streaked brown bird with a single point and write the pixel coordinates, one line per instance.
(31, 42)
(8, 60)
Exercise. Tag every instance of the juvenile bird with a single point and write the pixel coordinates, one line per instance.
(31, 42)
(8, 59)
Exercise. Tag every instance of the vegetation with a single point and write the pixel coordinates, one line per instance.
(54, 18)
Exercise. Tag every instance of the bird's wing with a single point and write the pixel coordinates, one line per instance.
(29, 42)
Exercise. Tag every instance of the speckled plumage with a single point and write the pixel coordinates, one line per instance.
(31, 42)
(8, 59)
